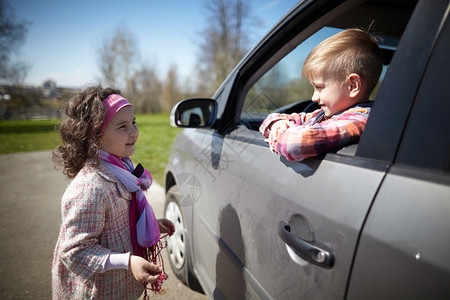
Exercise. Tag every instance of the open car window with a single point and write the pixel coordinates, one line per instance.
(282, 88)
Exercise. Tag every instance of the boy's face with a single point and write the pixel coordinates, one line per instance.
(331, 95)
(121, 134)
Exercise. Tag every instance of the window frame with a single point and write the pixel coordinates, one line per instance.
(388, 118)
(424, 144)
(305, 21)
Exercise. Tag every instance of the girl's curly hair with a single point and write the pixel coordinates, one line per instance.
(80, 131)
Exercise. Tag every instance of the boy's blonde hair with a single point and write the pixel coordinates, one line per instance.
(349, 51)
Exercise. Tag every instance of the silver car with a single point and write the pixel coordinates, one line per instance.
(369, 221)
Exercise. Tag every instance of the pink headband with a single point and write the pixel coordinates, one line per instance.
(113, 103)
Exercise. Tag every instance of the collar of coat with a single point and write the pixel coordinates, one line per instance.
(109, 175)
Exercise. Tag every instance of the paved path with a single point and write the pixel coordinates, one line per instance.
(30, 193)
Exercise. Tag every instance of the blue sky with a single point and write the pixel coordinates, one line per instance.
(64, 35)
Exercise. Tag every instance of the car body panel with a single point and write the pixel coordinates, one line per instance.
(296, 198)
(379, 207)
(222, 223)
(405, 243)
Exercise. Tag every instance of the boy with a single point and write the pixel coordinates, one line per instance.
(343, 69)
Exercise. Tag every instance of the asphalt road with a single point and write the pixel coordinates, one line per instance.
(30, 193)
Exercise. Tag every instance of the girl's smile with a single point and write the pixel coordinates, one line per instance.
(121, 134)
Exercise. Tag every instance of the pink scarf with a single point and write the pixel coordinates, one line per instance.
(144, 228)
(143, 224)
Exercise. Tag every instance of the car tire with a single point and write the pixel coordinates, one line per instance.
(178, 244)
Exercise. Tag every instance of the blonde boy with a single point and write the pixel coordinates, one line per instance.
(343, 69)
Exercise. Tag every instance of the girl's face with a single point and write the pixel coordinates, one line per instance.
(121, 134)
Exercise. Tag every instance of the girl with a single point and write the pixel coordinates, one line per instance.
(107, 224)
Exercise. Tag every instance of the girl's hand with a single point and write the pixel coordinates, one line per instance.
(142, 270)
(166, 226)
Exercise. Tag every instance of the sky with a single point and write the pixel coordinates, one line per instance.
(64, 35)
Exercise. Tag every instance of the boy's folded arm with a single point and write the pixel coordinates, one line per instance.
(300, 142)
(274, 117)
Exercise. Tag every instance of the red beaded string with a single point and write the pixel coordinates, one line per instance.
(153, 254)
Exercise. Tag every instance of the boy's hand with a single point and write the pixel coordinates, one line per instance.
(279, 127)
(142, 270)
(166, 226)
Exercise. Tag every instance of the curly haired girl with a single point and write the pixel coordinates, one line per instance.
(109, 231)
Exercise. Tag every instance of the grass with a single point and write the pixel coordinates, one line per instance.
(152, 149)
(24, 136)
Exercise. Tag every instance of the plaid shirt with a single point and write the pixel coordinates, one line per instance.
(312, 134)
(95, 222)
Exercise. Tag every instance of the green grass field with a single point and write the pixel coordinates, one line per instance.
(152, 149)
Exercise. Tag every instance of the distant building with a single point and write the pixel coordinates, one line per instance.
(49, 89)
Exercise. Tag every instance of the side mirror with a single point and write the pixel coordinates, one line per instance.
(194, 113)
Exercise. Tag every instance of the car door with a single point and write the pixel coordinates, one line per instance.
(259, 214)
(215, 165)
(404, 244)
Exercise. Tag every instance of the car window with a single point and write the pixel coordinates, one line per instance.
(277, 86)
(282, 88)
(283, 83)
(391, 112)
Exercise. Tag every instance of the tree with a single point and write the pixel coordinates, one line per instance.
(224, 40)
(171, 90)
(144, 90)
(118, 57)
(12, 36)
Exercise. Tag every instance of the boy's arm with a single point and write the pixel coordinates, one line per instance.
(266, 125)
(278, 128)
(300, 142)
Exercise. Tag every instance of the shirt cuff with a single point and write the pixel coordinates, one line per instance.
(115, 261)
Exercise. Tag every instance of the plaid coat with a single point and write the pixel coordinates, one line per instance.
(95, 222)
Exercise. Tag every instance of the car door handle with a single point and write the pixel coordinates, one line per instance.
(310, 251)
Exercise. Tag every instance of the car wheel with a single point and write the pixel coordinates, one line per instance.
(176, 244)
